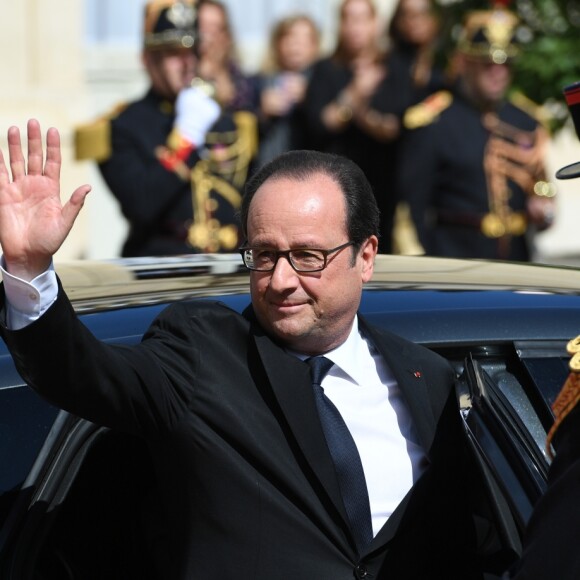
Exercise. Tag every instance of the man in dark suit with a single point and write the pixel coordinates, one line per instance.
(251, 478)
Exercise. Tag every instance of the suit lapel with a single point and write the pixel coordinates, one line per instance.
(291, 384)
(411, 378)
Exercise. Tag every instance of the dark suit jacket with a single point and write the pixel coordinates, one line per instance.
(152, 199)
(245, 473)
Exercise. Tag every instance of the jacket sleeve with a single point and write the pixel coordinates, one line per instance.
(417, 174)
(145, 188)
(326, 82)
(131, 388)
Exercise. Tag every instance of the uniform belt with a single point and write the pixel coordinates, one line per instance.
(175, 229)
(458, 218)
(491, 225)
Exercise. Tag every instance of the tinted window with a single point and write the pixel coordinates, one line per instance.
(549, 374)
(25, 420)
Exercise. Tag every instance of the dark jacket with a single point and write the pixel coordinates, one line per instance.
(246, 477)
(448, 181)
(160, 203)
(378, 159)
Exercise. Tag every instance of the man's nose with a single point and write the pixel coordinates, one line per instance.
(283, 275)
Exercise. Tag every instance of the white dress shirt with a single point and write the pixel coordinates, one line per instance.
(360, 385)
(28, 301)
(369, 399)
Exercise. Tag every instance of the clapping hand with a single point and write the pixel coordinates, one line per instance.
(33, 221)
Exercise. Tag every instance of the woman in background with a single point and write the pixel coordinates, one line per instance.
(412, 41)
(413, 34)
(294, 46)
(217, 61)
(340, 110)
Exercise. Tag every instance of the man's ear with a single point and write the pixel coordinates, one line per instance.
(368, 252)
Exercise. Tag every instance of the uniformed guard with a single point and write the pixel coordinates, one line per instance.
(472, 165)
(173, 159)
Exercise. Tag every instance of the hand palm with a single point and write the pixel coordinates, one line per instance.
(33, 222)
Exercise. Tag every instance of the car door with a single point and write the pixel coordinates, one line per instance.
(505, 407)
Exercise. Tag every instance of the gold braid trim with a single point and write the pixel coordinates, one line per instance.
(232, 157)
(563, 405)
(206, 233)
(223, 170)
(569, 396)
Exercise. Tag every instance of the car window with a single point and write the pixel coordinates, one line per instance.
(25, 420)
(548, 374)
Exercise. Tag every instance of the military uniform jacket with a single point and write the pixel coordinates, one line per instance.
(157, 200)
(246, 478)
(450, 184)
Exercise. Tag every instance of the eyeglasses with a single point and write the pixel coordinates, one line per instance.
(301, 259)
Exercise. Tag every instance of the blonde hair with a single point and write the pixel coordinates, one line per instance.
(281, 29)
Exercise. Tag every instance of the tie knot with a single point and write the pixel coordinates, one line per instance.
(319, 366)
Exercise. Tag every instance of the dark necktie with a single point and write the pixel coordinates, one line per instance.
(348, 466)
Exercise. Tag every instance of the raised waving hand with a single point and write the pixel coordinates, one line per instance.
(33, 221)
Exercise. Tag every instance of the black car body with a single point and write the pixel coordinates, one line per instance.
(71, 492)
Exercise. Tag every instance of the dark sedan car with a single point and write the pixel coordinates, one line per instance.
(72, 493)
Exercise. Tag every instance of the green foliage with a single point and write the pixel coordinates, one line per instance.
(550, 47)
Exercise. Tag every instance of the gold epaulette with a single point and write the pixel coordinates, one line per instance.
(93, 140)
(428, 110)
(538, 112)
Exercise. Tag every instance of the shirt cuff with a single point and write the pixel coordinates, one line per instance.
(28, 301)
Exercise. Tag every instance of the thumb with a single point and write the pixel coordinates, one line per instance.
(73, 206)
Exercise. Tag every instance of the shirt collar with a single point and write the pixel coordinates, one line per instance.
(346, 356)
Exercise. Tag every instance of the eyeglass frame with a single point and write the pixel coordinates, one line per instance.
(286, 254)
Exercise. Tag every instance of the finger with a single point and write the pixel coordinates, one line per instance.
(15, 152)
(74, 205)
(34, 148)
(53, 154)
(4, 175)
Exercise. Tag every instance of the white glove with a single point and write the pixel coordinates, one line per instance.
(195, 113)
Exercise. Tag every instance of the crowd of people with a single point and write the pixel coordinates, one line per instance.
(440, 140)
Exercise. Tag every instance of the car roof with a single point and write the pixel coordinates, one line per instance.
(435, 301)
(118, 282)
